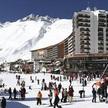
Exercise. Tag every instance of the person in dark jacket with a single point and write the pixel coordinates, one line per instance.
(3, 102)
(62, 99)
(59, 87)
(94, 95)
(23, 92)
(14, 93)
(56, 101)
(50, 97)
(10, 93)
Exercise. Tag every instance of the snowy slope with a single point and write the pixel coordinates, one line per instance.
(18, 38)
(57, 32)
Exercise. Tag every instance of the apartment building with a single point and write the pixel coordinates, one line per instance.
(90, 28)
(87, 46)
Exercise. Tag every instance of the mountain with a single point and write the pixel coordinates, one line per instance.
(18, 38)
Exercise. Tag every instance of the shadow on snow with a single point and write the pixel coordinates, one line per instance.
(14, 104)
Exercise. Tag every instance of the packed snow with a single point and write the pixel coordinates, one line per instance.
(30, 101)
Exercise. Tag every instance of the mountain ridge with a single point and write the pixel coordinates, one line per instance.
(20, 37)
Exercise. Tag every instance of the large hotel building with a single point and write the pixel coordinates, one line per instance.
(86, 49)
(90, 30)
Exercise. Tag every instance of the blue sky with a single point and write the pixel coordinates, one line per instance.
(12, 10)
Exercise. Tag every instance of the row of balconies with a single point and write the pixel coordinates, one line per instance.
(102, 15)
(100, 38)
(85, 34)
(83, 16)
(102, 20)
(83, 20)
(100, 29)
(102, 24)
(84, 42)
(83, 24)
(85, 29)
(85, 50)
(100, 33)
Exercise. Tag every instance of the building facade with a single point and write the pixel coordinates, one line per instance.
(47, 55)
(88, 44)
(90, 30)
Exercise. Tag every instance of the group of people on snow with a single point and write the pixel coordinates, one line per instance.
(56, 90)
(100, 89)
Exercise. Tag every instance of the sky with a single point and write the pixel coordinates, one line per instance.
(12, 10)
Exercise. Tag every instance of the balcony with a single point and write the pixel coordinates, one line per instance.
(100, 38)
(86, 38)
(84, 24)
(102, 20)
(100, 29)
(83, 20)
(85, 29)
(102, 25)
(102, 15)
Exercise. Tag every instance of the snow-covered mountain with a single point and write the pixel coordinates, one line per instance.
(18, 38)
